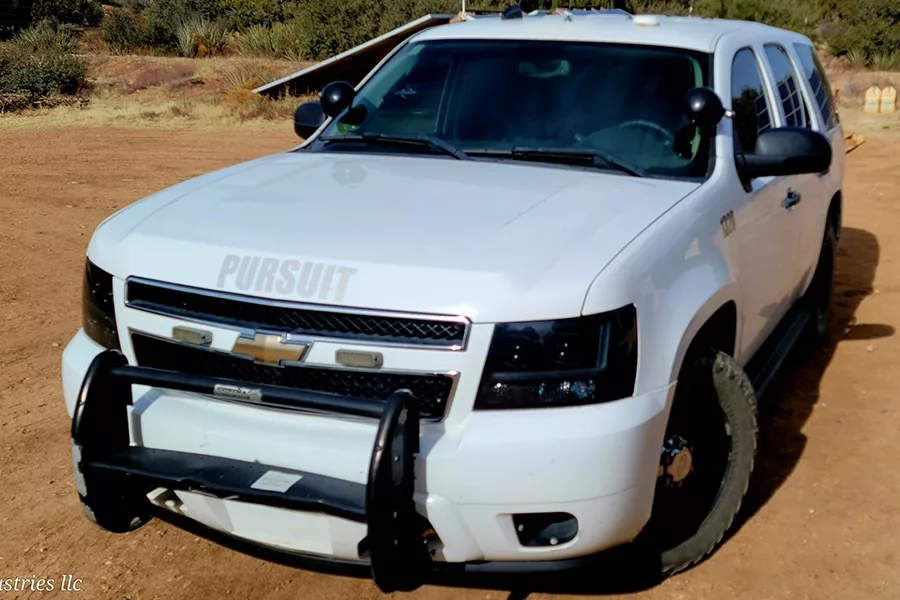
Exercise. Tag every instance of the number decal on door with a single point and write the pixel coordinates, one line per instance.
(728, 223)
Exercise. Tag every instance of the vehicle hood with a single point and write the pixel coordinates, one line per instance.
(489, 240)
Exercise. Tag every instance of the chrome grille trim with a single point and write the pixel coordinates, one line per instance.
(372, 339)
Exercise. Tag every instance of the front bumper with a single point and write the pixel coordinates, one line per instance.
(114, 478)
(596, 463)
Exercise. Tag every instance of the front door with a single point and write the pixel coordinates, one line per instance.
(808, 197)
(767, 231)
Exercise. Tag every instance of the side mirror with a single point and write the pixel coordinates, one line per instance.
(786, 151)
(704, 107)
(335, 97)
(308, 117)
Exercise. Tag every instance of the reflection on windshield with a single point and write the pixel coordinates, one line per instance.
(485, 97)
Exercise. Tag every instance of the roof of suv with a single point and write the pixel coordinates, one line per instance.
(693, 33)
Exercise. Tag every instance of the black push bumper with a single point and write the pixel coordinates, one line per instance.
(114, 477)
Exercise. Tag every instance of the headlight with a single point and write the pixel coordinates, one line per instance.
(571, 362)
(98, 313)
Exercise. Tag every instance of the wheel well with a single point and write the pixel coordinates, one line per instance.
(719, 332)
(835, 213)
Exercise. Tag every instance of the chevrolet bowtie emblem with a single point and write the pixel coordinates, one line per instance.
(272, 349)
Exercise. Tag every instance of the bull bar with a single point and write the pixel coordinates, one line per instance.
(113, 477)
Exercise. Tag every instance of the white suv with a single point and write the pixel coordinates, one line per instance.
(509, 305)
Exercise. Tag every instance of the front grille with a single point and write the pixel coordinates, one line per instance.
(253, 313)
(432, 391)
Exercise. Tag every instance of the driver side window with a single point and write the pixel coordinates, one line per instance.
(752, 113)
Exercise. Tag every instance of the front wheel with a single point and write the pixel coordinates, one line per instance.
(706, 462)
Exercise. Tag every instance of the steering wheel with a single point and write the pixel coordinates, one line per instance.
(650, 126)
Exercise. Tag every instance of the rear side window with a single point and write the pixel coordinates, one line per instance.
(815, 74)
(795, 112)
(752, 115)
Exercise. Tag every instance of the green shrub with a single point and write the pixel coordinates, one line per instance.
(45, 37)
(88, 13)
(243, 14)
(869, 26)
(791, 15)
(661, 7)
(395, 14)
(246, 76)
(334, 26)
(38, 74)
(179, 11)
(280, 40)
(124, 31)
(886, 61)
(858, 58)
(199, 36)
(255, 41)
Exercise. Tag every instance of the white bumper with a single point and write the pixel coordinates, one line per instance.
(597, 463)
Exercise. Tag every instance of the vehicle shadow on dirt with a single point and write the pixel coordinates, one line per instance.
(784, 410)
(789, 401)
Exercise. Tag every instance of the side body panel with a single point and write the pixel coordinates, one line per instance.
(767, 235)
(721, 244)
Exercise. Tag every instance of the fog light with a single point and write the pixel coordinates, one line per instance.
(545, 529)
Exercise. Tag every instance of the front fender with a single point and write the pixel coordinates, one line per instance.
(705, 298)
(677, 279)
(669, 322)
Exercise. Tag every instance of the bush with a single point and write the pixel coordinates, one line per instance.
(125, 31)
(868, 26)
(87, 13)
(334, 26)
(246, 76)
(280, 40)
(45, 37)
(857, 58)
(198, 36)
(790, 15)
(243, 14)
(886, 61)
(179, 11)
(38, 74)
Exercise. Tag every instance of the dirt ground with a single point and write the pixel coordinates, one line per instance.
(821, 519)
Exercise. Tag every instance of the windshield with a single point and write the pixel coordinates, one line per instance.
(545, 101)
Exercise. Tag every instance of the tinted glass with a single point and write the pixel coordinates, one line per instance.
(495, 95)
(818, 81)
(748, 101)
(789, 93)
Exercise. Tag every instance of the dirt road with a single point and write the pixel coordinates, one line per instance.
(822, 517)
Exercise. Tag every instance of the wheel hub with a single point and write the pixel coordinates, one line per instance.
(676, 462)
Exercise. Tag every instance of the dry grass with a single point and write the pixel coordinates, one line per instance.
(173, 92)
(173, 114)
(158, 76)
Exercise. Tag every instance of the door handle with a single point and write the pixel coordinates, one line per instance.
(793, 199)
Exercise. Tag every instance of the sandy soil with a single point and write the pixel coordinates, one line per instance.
(821, 518)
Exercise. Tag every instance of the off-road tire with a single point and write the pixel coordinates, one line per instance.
(817, 299)
(714, 373)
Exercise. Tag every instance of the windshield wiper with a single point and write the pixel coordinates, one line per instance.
(386, 138)
(597, 158)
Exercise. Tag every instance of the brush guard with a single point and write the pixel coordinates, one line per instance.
(113, 477)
